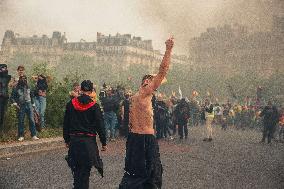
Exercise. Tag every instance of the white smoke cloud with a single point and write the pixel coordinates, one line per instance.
(151, 19)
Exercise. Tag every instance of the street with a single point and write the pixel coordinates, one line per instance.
(234, 159)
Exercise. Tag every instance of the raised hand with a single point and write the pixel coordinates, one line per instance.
(169, 43)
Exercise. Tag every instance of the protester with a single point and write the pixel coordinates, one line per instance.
(161, 118)
(225, 117)
(4, 96)
(76, 92)
(209, 116)
(83, 120)
(194, 112)
(110, 105)
(22, 99)
(143, 168)
(270, 119)
(20, 72)
(125, 114)
(40, 97)
(218, 113)
(182, 113)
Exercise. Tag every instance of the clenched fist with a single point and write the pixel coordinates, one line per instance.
(169, 43)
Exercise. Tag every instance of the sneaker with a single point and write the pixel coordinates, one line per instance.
(21, 139)
(171, 138)
(35, 138)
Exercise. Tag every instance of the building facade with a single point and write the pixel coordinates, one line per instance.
(232, 48)
(119, 50)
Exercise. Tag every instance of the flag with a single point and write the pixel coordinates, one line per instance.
(179, 91)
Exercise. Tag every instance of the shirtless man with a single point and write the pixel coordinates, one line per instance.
(143, 168)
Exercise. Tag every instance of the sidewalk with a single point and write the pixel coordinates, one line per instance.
(18, 148)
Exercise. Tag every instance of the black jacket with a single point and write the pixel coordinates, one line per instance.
(270, 115)
(83, 115)
(4, 81)
(111, 103)
(182, 112)
(21, 95)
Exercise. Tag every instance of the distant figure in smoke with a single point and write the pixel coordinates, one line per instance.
(143, 168)
(209, 116)
(125, 114)
(270, 119)
(182, 113)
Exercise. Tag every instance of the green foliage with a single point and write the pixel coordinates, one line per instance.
(75, 67)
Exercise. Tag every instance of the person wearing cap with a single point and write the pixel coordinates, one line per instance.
(22, 99)
(143, 168)
(83, 120)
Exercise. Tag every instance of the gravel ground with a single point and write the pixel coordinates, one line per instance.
(234, 159)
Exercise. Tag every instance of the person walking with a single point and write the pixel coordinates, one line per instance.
(83, 120)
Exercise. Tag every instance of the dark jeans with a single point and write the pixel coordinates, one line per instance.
(182, 130)
(3, 106)
(110, 120)
(163, 129)
(26, 108)
(167, 130)
(160, 129)
(268, 132)
(40, 102)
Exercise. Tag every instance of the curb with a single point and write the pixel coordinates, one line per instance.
(19, 148)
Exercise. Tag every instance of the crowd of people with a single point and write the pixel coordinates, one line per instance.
(27, 100)
(173, 115)
(142, 117)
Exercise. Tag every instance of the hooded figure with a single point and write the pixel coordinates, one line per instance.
(83, 120)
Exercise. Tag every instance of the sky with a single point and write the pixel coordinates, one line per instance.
(150, 19)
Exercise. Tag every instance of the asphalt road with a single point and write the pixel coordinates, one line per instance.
(234, 159)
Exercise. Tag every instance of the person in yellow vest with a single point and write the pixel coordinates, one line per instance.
(209, 116)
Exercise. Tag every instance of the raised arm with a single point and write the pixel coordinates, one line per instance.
(164, 67)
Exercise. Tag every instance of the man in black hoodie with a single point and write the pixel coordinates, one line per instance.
(83, 120)
(270, 116)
